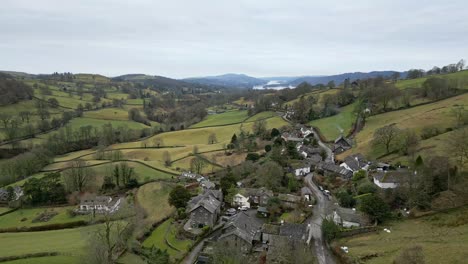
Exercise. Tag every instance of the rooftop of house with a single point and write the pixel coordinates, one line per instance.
(210, 200)
(245, 226)
(96, 200)
(342, 141)
(255, 192)
(350, 215)
(356, 161)
(392, 176)
(289, 230)
(305, 190)
(332, 167)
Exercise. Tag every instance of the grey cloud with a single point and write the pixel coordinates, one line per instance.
(260, 38)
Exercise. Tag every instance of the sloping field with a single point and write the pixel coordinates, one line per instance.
(108, 114)
(230, 117)
(331, 127)
(461, 77)
(435, 114)
(443, 238)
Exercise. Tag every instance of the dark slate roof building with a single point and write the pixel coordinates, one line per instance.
(355, 162)
(329, 168)
(205, 208)
(341, 144)
(242, 230)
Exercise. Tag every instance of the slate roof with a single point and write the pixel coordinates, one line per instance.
(255, 192)
(210, 200)
(314, 159)
(244, 226)
(392, 176)
(305, 190)
(341, 140)
(288, 230)
(333, 168)
(293, 231)
(355, 164)
(350, 215)
(96, 200)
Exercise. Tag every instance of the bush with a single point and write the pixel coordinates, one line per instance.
(252, 157)
(330, 230)
(366, 187)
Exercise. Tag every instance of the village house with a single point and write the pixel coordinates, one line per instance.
(294, 137)
(355, 163)
(341, 144)
(301, 168)
(257, 196)
(242, 231)
(189, 175)
(99, 204)
(307, 196)
(348, 218)
(328, 169)
(307, 151)
(204, 209)
(17, 193)
(278, 239)
(240, 201)
(390, 179)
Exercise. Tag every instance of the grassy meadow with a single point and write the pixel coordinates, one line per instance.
(443, 238)
(436, 114)
(331, 127)
(153, 199)
(230, 117)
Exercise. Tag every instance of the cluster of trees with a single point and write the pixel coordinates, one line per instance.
(451, 68)
(23, 165)
(45, 191)
(134, 115)
(121, 176)
(13, 91)
(72, 139)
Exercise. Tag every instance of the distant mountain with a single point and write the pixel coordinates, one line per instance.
(228, 80)
(160, 82)
(18, 74)
(339, 78)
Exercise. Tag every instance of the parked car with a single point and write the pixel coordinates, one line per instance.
(321, 188)
(243, 208)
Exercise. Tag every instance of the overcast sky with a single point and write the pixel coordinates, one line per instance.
(200, 37)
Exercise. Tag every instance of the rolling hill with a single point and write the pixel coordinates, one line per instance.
(228, 80)
(339, 78)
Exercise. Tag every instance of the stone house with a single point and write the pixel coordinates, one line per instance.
(341, 144)
(257, 196)
(348, 218)
(205, 208)
(99, 204)
(390, 179)
(289, 200)
(241, 231)
(355, 163)
(329, 168)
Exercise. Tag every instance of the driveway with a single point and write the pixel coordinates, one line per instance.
(321, 209)
(330, 155)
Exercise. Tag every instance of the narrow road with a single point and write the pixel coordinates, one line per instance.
(323, 253)
(330, 155)
(192, 256)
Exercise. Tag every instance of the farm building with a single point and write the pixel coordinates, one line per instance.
(391, 179)
(99, 204)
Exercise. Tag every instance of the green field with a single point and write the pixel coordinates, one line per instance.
(461, 77)
(443, 238)
(153, 199)
(24, 217)
(416, 118)
(108, 114)
(48, 260)
(262, 115)
(167, 230)
(230, 117)
(71, 241)
(331, 127)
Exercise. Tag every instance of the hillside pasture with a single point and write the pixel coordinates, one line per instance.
(331, 127)
(48, 260)
(443, 232)
(460, 79)
(436, 114)
(67, 241)
(153, 199)
(226, 118)
(25, 217)
(107, 114)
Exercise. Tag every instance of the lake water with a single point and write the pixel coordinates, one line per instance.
(275, 85)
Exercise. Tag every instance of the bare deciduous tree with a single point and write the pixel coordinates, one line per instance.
(78, 176)
(386, 136)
